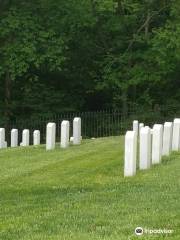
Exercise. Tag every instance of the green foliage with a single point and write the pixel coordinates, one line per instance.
(26, 43)
(78, 53)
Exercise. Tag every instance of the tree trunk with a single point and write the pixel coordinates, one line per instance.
(120, 9)
(147, 25)
(124, 102)
(134, 93)
(7, 111)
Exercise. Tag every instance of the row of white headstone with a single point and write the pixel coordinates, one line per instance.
(50, 135)
(65, 140)
(14, 138)
(153, 144)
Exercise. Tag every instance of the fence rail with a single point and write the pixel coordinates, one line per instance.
(94, 124)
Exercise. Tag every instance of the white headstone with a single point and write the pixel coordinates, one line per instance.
(145, 148)
(176, 135)
(3, 143)
(65, 134)
(135, 126)
(76, 131)
(167, 138)
(71, 139)
(14, 138)
(36, 137)
(157, 143)
(130, 153)
(141, 125)
(50, 136)
(25, 138)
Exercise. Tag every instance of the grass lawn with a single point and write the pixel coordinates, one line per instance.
(80, 193)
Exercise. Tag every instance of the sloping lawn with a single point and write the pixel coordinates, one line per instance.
(80, 193)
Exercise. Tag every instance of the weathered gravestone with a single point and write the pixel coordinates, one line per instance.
(14, 138)
(50, 136)
(65, 134)
(176, 135)
(76, 131)
(130, 153)
(36, 137)
(145, 148)
(167, 138)
(157, 143)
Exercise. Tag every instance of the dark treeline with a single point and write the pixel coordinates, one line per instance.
(77, 55)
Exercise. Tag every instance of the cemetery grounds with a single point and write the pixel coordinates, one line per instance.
(80, 193)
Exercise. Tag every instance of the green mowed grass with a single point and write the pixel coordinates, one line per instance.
(80, 193)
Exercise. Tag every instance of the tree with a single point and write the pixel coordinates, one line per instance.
(27, 46)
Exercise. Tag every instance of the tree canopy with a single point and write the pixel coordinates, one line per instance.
(76, 55)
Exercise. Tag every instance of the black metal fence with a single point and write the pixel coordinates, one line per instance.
(94, 124)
